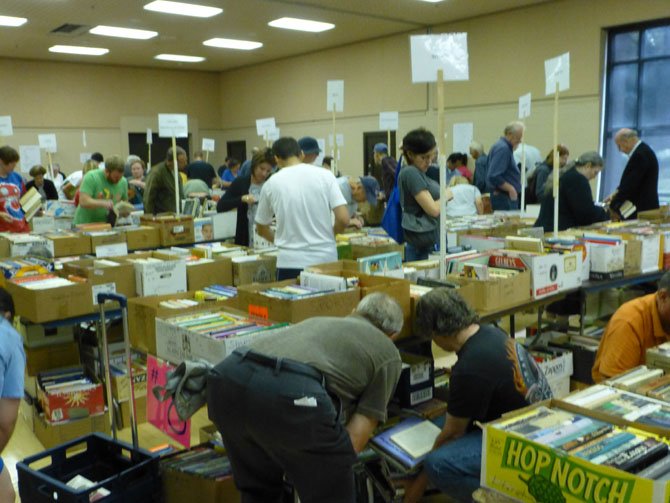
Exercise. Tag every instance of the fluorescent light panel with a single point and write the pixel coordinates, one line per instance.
(183, 9)
(77, 49)
(292, 23)
(229, 43)
(115, 31)
(12, 21)
(180, 57)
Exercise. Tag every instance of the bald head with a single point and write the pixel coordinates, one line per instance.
(626, 139)
(514, 132)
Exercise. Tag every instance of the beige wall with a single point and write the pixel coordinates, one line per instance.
(507, 53)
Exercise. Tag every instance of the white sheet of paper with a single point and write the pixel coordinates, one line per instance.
(462, 132)
(150, 137)
(388, 121)
(111, 250)
(322, 147)
(84, 156)
(170, 125)
(335, 95)
(339, 138)
(47, 141)
(524, 106)
(273, 134)
(264, 126)
(446, 51)
(208, 144)
(30, 156)
(557, 70)
(6, 128)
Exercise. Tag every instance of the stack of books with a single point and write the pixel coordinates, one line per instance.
(203, 461)
(407, 444)
(41, 281)
(10, 268)
(220, 325)
(216, 292)
(294, 292)
(178, 303)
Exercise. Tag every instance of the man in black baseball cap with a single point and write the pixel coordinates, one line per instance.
(310, 149)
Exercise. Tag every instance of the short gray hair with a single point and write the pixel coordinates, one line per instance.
(383, 311)
(443, 312)
(477, 147)
(515, 127)
(592, 157)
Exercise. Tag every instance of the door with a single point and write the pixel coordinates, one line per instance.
(370, 139)
(137, 145)
(237, 150)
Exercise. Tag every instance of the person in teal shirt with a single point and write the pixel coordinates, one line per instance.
(100, 191)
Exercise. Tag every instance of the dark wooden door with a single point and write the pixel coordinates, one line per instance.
(370, 139)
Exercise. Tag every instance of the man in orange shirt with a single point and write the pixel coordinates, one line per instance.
(636, 326)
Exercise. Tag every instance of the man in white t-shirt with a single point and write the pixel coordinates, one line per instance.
(302, 199)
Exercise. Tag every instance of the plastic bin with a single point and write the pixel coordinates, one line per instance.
(129, 474)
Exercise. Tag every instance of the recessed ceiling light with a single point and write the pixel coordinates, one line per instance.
(292, 23)
(229, 43)
(12, 21)
(180, 57)
(77, 49)
(114, 31)
(183, 9)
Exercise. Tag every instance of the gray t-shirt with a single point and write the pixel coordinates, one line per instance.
(352, 206)
(412, 181)
(360, 363)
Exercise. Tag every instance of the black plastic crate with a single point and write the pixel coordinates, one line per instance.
(129, 474)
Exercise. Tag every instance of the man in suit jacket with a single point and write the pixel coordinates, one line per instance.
(639, 181)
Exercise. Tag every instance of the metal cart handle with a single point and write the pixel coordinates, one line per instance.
(116, 297)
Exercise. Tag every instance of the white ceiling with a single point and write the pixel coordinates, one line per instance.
(355, 20)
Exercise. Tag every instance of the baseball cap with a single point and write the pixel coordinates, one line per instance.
(371, 186)
(309, 145)
(381, 148)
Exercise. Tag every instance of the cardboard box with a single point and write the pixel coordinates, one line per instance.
(294, 311)
(174, 230)
(143, 238)
(52, 303)
(643, 253)
(176, 344)
(68, 244)
(179, 487)
(495, 293)
(225, 224)
(510, 461)
(417, 380)
(364, 250)
(119, 278)
(108, 243)
(553, 272)
(63, 405)
(607, 261)
(261, 269)
(558, 372)
(121, 382)
(53, 434)
(205, 272)
(143, 311)
(340, 265)
(159, 278)
(140, 412)
(44, 358)
(203, 229)
(36, 335)
(20, 245)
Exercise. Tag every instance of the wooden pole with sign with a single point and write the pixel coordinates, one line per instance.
(388, 141)
(148, 156)
(175, 167)
(206, 155)
(556, 166)
(442, 146)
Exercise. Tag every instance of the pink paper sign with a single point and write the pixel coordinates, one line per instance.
(162, 414)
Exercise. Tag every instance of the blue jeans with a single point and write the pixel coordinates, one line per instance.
(501, 201)
(455, 467)
(413, 253)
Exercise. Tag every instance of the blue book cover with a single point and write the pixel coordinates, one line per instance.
(383, 443)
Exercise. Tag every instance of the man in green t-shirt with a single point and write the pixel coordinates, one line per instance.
(100, 191)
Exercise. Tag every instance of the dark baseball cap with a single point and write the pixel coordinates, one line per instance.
(309, 145)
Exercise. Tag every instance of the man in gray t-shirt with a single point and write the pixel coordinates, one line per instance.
(305, 401)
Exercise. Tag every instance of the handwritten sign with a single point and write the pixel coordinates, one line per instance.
(150, 137)
(335, 95)
(170, 125)
(524, 106)
(30, 156)
(6, 128)
(264, 126)
(447, 52)
(208, 144)
(388, 121)
(557, 70)
(47, 141)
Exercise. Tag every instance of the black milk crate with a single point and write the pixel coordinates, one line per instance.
(129, 474)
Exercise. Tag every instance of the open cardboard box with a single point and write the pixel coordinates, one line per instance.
(143, 238)
(205, 272)
(120, 278)
(51, 304)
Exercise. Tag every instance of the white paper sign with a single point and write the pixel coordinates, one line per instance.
(335, 95)
(43, 224)
(524, 106)
(208, 144)
(462, 136)
(388, 121)
(170, 125)
(150, 137)
(111, 250)
(84, 156)
(264, 126)
(339, 138)
(6, 128)
(557, 70)
(322, 147)
(446, 51)
(30, 156)
(102, 288)
(48, 142)
(273, 135)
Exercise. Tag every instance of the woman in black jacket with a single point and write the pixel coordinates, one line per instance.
(44, 186)
(575, 199)
(243, 195)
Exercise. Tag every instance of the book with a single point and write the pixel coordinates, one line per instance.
(639, 456)
(657, 469)
(417, 440)
(383, 444)
(31, 203)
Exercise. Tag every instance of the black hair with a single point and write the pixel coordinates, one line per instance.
(286, 147)
(6, 303)
(328, 160)
(8, 154)
(97, 157)
(418, 141)
(444, 312)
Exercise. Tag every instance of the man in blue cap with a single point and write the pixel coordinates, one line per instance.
(386, 166)
(358, 189)
(310, 149)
